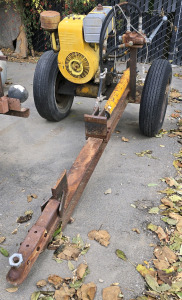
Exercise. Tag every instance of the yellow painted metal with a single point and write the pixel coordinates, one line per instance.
(118, 92)
(87, 90)
(53, 39)
(77, 60)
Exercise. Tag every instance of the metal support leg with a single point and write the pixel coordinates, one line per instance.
(133, 65)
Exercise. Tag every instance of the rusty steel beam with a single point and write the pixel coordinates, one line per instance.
(1, 85)
(36, 241)
(3, 57)
(67, 192)
(23, 113)
(133, 66)
(12, 106)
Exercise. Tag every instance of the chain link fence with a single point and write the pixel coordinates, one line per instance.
(166, 44)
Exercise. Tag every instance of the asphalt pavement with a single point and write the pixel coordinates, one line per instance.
(33, 154)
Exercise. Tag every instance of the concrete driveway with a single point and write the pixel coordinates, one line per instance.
(33, 154)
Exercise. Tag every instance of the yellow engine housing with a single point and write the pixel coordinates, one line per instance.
(77, 60)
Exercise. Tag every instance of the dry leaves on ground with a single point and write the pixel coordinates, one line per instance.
(31, 197)
(124, 139)
(147, 153)
(164, 281)
(112, 292)
(2, 239)
(101, 236)
(26, 218)
(12, 289)
(67, 288)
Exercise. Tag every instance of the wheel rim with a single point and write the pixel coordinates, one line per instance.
(62, 101)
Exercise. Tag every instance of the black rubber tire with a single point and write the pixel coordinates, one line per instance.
(154, 97)
(47, 79)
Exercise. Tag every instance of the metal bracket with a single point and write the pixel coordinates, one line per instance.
(59, 192)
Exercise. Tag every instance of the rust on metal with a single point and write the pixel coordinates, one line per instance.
(1, 85)
(23, 113)
(3, 57)
(137, 39)
(71, 185)
(133, 70)
(4, 108)
(95, 126)
(12, 106)
(36, 241)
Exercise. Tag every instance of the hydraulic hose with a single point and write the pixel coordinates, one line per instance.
(105, 25)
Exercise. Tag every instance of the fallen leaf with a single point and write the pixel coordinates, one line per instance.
(152, 227)
(133, 205)
(167, 202)
(78, 241)
(145, 153)
(15, 231)
(35, 296)
(161, 234)
(111, 292)
(177, 164)
(166, 278)
(175, 115)
(168, 191)
(34, 196)
(151, 281)
(41, 283)
(165, 253)
(162, 146)
(64, 293)
(87, 291)
(57, 231)
(152, 184)
(28, 212)
(108, 192)
(69, 252)
(101, 236)
(124, 139)
(2, 239)
(175, 216)
(169, 221)
(12, 289)
(136, 230)
(154, 210)
(176, 286)
(175, 94)
(71, 220)
(76, 284)
(23, 219)
(59, 261)
(29, 198)
(179, 226)
(175, 198)
(70, 266)
(80, 272)
(4, 252)
(161, 264)
(144, 270)
(85, 249)
(55, 280)
(121, 254)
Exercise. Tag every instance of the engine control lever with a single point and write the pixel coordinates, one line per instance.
(149, 40)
